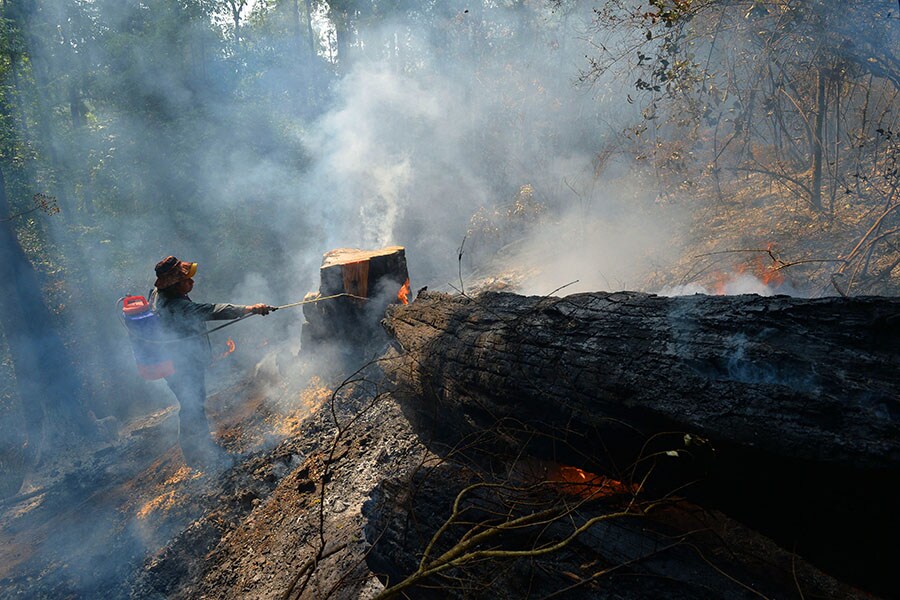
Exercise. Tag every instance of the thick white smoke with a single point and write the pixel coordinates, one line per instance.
(409, 156)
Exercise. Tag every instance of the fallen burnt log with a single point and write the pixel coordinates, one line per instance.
(789, 407)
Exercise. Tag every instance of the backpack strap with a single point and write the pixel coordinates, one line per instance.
(152, 299)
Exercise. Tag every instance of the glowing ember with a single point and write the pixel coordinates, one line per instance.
(573, 481)
(311, 399)
(403, 294)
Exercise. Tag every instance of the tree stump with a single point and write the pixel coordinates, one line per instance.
(366, 281)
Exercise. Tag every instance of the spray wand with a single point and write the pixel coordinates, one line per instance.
(274, 308)
(232, 322)
(314, 300)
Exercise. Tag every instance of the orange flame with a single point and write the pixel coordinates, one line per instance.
(229, 348)
(311, 399)
(574, 475)
(765, 267)
(403, 294)
(573, 481)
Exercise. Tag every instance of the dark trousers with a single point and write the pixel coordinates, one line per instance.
(197, 446)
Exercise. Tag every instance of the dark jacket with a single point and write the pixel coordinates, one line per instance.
(184, 323)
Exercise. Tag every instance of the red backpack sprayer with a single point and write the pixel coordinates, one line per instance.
(146, 334)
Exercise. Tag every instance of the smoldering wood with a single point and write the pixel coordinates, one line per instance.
(371, 278)
(787, 409)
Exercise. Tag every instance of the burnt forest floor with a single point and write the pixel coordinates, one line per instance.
(131, 520)
(749, 235)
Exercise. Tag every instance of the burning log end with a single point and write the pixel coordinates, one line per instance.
(367, 282)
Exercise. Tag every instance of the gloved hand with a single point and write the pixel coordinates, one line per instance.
(261, 309)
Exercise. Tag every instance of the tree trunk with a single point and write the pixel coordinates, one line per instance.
(309, 28)
(342, 38)
(817, 149)
(783, 412)
(806, 379)
(363, 283)
(48, 387)
(298, 29)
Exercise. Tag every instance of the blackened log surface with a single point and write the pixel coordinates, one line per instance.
(811, 379)
(797, 398)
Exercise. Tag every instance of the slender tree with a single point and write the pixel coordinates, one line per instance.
(48, 385)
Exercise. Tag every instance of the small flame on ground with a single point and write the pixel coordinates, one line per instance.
(168, 498)
(163, 502)
(403, 294)
(229, 348)
(765, 266)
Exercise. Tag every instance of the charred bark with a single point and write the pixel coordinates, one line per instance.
(788, 408)
(805, 379)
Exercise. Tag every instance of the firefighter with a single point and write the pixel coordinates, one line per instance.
(184, 322)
